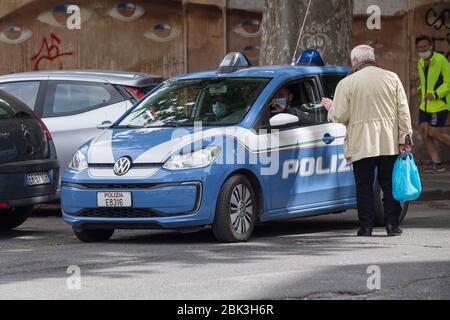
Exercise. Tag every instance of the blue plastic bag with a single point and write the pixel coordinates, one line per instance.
(406, 185)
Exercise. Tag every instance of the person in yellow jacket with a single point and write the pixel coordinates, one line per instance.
(434, 90)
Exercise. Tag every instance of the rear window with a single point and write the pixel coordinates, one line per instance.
(6, 111)
(9, 109)
(26, 92)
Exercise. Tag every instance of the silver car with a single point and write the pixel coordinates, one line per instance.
(74, 105)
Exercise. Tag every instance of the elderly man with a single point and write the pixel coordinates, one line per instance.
(371, 103)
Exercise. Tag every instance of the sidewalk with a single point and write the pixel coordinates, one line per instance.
(436, 186)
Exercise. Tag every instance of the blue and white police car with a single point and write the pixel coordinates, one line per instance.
(210, 149)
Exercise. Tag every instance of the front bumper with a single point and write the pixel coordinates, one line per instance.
(167, 200)
(148, 200)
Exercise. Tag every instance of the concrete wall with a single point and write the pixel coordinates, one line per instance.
(169, 37)
(157, 36)
(8, 6)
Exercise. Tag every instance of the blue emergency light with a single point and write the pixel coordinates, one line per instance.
(234, 61)
(310, 58)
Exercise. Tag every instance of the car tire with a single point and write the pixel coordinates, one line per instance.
(11, 219)
(379, 208)
(90, 236)
(236, 211)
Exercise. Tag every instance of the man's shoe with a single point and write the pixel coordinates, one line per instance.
(435, 167)
(365, 232)
(393, 231)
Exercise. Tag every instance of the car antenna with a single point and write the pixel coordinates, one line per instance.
(301, 34)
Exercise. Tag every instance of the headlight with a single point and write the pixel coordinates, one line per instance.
(79, 161)
(197, 159)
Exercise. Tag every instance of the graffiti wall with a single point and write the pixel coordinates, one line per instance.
(389, 46)
(156, 36)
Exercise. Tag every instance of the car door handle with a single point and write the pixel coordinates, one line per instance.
(328, 138)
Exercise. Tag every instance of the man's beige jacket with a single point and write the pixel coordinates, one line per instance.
(372, 104)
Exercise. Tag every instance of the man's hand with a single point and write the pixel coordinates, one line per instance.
(327, 103)
(429, 97)
(276, 108)
(404, 149)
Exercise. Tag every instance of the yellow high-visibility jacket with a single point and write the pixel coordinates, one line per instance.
(435, 80)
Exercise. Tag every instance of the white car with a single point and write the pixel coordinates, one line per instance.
(74, 105)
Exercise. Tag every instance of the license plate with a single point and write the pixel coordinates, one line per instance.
(114, 200)
(37, 178)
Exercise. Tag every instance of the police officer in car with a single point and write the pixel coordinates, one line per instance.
(282, 103)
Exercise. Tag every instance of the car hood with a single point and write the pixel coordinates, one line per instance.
(145, 146)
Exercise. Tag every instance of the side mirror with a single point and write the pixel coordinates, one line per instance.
(105, 125)
(283, 120)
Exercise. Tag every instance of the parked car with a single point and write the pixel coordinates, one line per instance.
(29, 170)
(75, 104)
(156, 169)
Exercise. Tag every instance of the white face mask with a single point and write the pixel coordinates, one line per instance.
(426, 55)
(219, 109)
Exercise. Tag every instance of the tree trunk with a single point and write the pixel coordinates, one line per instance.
(328, 29)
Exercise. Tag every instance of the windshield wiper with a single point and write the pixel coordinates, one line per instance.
(128, 126)
(171, 125)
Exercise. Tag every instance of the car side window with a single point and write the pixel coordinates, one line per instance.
(307, 103)
(26, 91)
(70, 98)
(330, 82)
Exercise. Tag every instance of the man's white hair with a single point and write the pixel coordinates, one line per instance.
(363, 53)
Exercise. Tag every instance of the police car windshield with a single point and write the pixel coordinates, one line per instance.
(182, 103)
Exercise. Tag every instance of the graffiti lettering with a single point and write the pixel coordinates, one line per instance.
(438, 21)
(316, 37)
(445, 40)
(49, 52)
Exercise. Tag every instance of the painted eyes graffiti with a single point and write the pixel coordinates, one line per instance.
(249, 28)
(162, 33)
(126, 12)
(15, 35)
(58, 17)
(252, 51)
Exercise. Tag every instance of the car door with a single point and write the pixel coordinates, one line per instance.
(307, 177)
(73, 110)
(346, 179)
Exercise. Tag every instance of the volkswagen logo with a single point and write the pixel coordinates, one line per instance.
(122, 166)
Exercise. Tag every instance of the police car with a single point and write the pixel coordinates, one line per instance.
(208, 149)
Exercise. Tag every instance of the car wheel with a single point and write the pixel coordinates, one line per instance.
(11, 219)
(90, 236)
(236, 211)
(379, 208)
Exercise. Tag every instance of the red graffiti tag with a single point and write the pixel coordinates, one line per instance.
(49, 52)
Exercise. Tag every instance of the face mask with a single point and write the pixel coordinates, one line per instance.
(219, 109)
(283, 102)
(426, 55)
